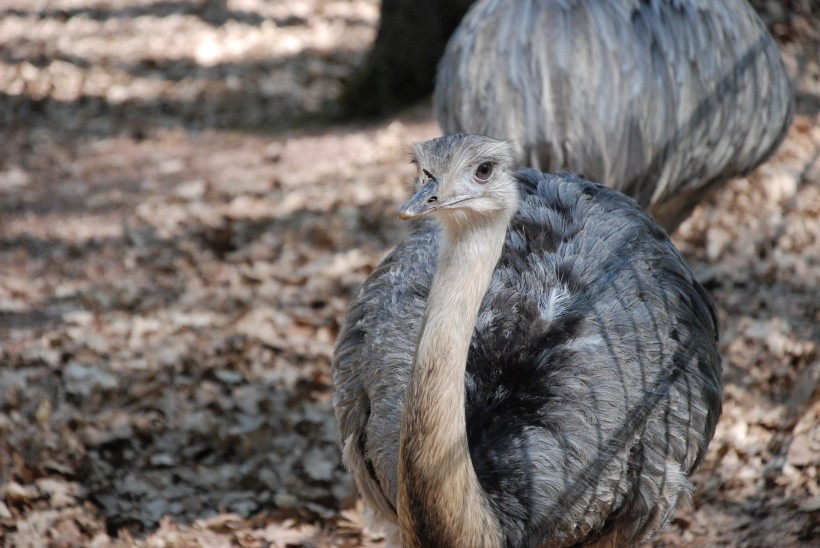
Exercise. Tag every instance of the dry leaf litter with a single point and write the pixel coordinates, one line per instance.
(178, 248)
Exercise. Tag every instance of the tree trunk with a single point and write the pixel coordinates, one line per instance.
(401, 67)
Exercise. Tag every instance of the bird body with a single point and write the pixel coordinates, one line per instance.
(657, 98)
(542, 371)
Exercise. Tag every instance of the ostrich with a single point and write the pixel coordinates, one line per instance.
(534, 365)
(660, 99)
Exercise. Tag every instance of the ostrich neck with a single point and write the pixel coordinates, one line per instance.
(440, 499)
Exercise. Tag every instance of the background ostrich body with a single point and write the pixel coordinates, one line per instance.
(659, 99)
(593, 379)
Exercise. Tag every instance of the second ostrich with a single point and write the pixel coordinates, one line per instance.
(535, 365)
(661, 99)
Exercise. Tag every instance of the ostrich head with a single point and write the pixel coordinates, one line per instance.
(463, 178)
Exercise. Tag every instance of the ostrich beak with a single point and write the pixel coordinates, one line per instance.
(424, 201)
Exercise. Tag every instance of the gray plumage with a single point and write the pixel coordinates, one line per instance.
(593, 377)
(657, 98)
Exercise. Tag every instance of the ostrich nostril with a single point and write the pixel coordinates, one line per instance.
(432, 199)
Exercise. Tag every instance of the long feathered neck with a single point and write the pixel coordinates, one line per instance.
(440, 500)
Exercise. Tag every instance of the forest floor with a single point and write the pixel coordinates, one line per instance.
(180, 235)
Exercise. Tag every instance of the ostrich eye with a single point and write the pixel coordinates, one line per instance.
(484, 171)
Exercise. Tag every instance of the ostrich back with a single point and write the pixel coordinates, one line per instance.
(593, 378)
(657, 98)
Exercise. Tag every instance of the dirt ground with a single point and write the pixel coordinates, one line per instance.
(180, 235)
